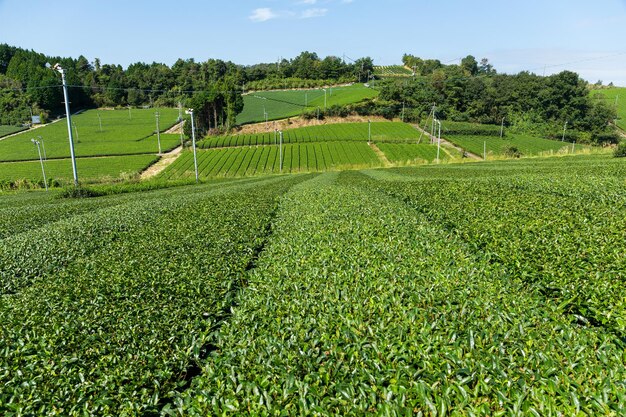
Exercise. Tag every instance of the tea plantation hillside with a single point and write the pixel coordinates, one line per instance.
(470, 289)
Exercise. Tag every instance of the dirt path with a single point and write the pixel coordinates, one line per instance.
(380, 154)
(38, 126)
(175, 129)
(296, 121)
(166, 160)
(450, 144)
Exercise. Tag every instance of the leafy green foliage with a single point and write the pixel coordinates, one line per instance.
(121, 302)
(470, 289)
(613, 98)
(620, 151)
(387, 312)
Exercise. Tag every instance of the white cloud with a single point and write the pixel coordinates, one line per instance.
(262, 15)
(309, 2)
(310, 13)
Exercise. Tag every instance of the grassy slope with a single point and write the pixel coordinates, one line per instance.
(120, 135)
(282, 104)
(89, 169)
(528, 145)
(7, 130)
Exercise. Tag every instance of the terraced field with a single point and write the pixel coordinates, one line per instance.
(392, 71)
(9, 130)
(471, 289)
(380, 132)
(526, 145)
(411, 152)
(122, 134)
(246, 161)
(289, 103)
(89, 169)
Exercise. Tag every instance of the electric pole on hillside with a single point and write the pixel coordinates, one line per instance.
(58, 68)
(193, 142)
(439, 139)
(158, 131)
(182, 123)
(43, 171)
(281, 151)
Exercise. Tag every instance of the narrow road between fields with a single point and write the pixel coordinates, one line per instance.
(38, 126)
(166, 160)
(448, 143)
(380, 154)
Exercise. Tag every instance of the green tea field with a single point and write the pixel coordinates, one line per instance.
(380, 132)
(89, 169)
(526, 145)
(392, 71)
(298, 157)
(9, 130)
(122, 134)
(490, 288)
(282, 104)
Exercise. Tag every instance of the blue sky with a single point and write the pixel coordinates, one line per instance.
(589, 36)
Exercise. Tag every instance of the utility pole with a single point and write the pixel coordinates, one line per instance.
(43, 171)
(42, 147)
(280, 149)
(564, 129)
(439, 141)
(369, 131)
(130, 116)
(100, 122)
(58, 68)
(502, 128)
(324, 98)
(193, 141)
(180, 120)
(76, 130)
(158, 131)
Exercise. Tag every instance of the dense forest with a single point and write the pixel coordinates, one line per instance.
(469, 91)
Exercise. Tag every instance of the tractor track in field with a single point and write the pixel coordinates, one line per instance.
(450, 144)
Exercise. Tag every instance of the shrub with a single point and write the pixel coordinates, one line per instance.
(620, 151)
(511, 151)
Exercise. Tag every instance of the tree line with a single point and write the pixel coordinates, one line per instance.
(473, 91)
(213, 88)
